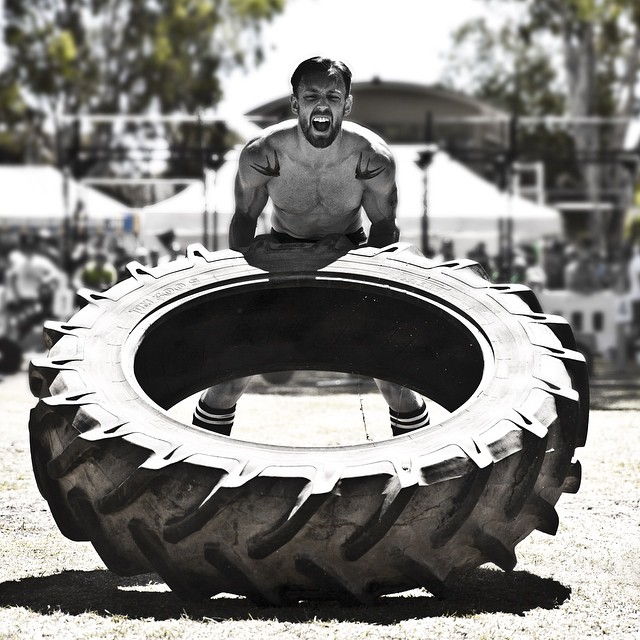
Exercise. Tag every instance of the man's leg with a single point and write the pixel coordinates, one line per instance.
(216, 407)
(407, 409)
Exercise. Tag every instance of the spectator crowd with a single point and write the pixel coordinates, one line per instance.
(39, 280)
(549, 264)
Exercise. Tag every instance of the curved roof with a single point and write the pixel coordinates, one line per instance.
(428, 93)
(396, 110)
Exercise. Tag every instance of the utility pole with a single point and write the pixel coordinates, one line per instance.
(425, 158)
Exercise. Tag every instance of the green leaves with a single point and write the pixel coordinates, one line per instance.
(261, 9)
(126, 56)
(541, 51)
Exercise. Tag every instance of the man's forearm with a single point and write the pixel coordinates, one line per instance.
(383, 233)
(241, 231)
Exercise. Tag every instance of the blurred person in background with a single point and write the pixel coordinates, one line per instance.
(98, 273)
(170, 243)
(580, 273)
(32, 281)
(121, 258)
(142, 255)
(47, 246)
(553, 263)
(633, 279)
(518, 267)
(174, 252)
(446, 252)
(480, 255)
(535, 276)
(633, 272)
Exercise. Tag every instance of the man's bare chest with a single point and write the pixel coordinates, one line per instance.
(300, 189)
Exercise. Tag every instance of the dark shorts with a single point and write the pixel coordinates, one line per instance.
(358, 237)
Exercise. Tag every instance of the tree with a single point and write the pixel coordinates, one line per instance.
(579, 57)
(122, 56)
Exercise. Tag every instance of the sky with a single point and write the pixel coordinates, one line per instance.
(404, 40)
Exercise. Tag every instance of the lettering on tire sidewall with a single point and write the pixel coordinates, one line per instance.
(160, 296)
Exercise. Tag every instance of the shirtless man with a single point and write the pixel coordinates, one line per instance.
(319, 172)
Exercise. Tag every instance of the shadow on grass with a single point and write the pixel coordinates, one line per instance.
(103, 593)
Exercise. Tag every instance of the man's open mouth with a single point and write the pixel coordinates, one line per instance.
(321, 123)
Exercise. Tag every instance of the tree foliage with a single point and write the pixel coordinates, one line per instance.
(124, 56)
(579, 58)
(553, 56)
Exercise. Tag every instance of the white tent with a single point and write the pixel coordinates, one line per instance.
(36, 195)
(184, 212)
(461, 206)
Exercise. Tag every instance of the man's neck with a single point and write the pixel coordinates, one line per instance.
(319, 156)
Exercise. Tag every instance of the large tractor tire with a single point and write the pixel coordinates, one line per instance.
(278, 524)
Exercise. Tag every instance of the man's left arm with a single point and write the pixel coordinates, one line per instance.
(377, 171)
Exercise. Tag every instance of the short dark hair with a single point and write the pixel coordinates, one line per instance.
(319, 64)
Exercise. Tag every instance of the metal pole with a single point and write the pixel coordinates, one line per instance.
(70, 171)
(424, 226)
(215, 210)
(424, 161)
(203, 164)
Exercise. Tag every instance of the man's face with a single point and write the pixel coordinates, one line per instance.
(321, 103)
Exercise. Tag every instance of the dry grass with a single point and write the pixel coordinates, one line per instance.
(582, 583)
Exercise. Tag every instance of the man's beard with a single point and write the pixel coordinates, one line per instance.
(319, 143)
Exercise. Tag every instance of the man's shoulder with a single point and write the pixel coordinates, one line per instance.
(260, 157)
(272, 137)
(363, 139)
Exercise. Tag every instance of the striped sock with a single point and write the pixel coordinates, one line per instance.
(216, 420)
(405, 422)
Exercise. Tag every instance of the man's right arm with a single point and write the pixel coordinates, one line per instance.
(251, 195)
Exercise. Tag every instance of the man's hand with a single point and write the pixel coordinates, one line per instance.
(241, 231)
(383, 233)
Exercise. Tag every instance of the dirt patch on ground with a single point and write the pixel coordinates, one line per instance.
(582, 583)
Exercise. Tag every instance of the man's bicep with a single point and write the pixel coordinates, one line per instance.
(376, 171)
(251, 197)
(251, 193)
(250, 202)
(380, 200)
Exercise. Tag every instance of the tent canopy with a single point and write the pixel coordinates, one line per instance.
(461, 206)
(184, 212)
(37, 194)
